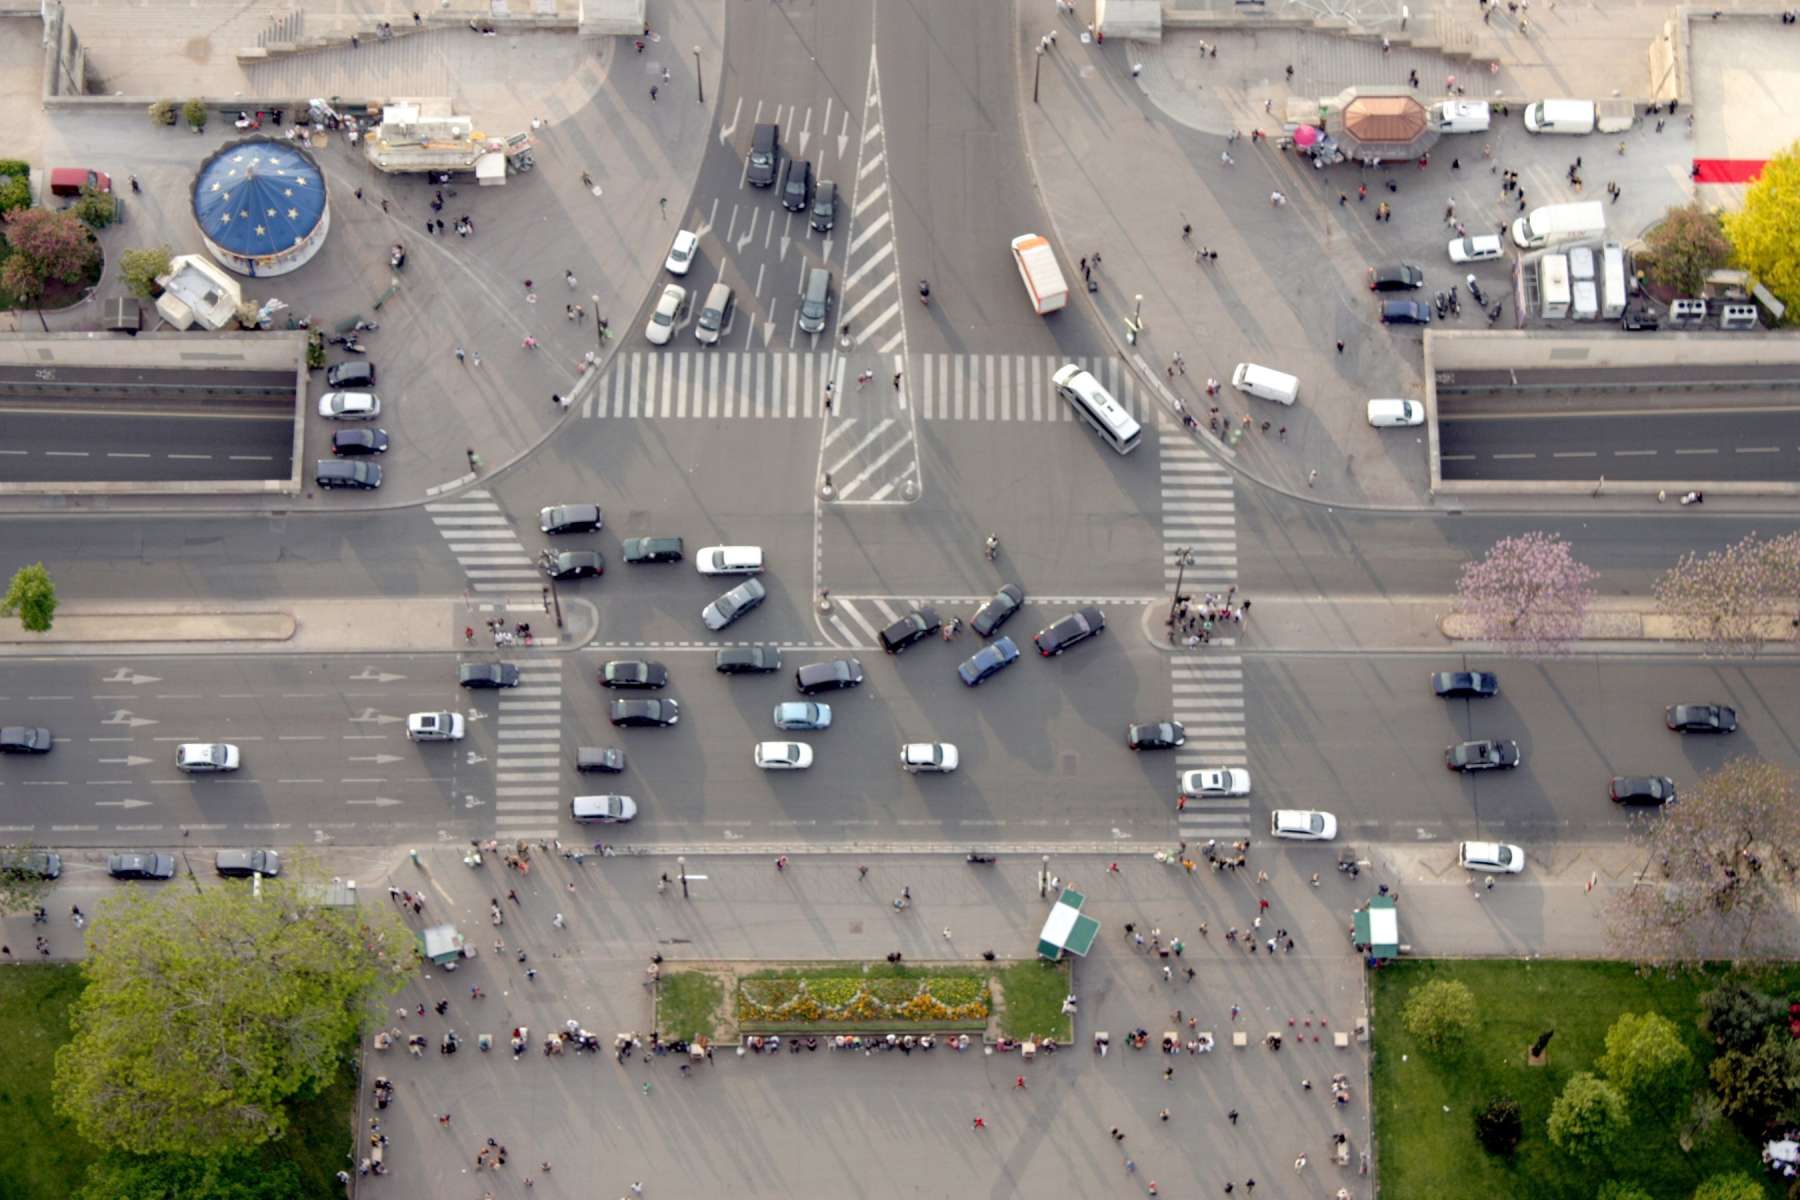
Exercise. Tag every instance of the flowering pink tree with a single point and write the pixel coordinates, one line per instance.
(1529, 592)
(1736, 599)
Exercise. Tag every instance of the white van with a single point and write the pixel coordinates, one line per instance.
(1095, 405)
(1461, 116)
(1553, 285)
(1560, 116)
(1585, 300)
(1554, 223)
(1612, 281)
(1265, 384)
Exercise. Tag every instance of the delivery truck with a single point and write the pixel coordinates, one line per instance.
(1037, 267)
(1555, 223)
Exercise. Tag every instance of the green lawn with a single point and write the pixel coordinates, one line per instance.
(1425, 1105)
(1032, 999)
(689, 1003)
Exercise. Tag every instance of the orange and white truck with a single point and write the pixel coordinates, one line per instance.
(1038, 268)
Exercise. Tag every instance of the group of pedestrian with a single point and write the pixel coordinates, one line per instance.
(1194, 623)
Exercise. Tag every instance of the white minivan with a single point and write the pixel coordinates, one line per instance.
(1560, 116)
(1265, 384)
(1096, 406)
(1393, 414)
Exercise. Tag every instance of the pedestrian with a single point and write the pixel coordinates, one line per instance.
(980, 1123)
(1362, 192)
(781, 863)
(530, 343)
(1232, 1116)
(559, 922)
(946, 933)
(1116, 1135)
(1276, 199)
(569, 278)
(1282, 433)
(653, 93)
(1225, 158)
(639, 44)
(1343, 199)
(1168, 1074)
(665, 74)
(637, 1189)
(1340, 345)
(1311, 476)
(1164, 1116)
(587, 181)
(1019, 1084)
(1187, 231)
(1137, 69)
(896, 381)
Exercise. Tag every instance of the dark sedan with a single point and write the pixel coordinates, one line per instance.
(831, 676)
(633, 673)
(1405, 312)
(652, 549)
(1401, 277)
(241, 864)
(488, 675)
(990, 660)
(357, 374)
(644, 712)
(1642, 789)
(1701, 718)
(139, 864)
(1072, 630)
(1156, 735)
(574, 564)
(1465, 685)
(1487, 755)
(349, 443)
(747, 660)
(24, 739)
(998, 611)
(570, 518)
(915, 626)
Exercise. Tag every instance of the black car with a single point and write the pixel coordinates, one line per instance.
(1405, 312)
(818, 677)
(652, 550)
(1465, 685)
(765, 148)
(1486, 755)
(1642, 789)
(570, 518)
(24, 739)
(633, 673)
(1156, 735)
(1072, 630)
(488, 675)
(796, 184)
(1701, 718)
(1401, 277)
(915, 625)
(140, 864)
(644, 712)
(747, 660)
(996, 612)
(331, 473)
(574, 564)
(824, 213)
(355, 375)
(349, 443)
(241, 864)
(19, 864)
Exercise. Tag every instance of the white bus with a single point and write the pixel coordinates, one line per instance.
(1093, 404)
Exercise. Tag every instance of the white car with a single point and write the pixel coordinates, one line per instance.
(681, 254)
(1216, 781)
(783, 756)
(1391, 414)
(201, 757)
(729, 560)
(1490, 856)
(1302, 824)
(1478, 247)
(350, 406)
(668, 310)
(928, 756)
(435, 727)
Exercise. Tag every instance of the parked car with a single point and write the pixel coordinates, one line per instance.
(356, 375)
(928, 757)
(570, 518)
(998, 610)
(1486, 755)
(733, 604)
(1642, 789)
(1071, 631)
(140, 864)
(349, 443)
(1306, 825)
(1155, 735)
(633, 673)
(1490, 856)
(729, 560)
(1394, 414)
(202, 758)
(988, 661)
(806, 715)
(574, 564)
(747, 660)
(658, 712)
(435, 727)
(241, 864)
(17, 863)
(1701, 718)
(350, 406)
(1404, 312)
(1401, 277)
(830, 676)
(337, 473)
(783, 756)
(487, 675)
(669, 309)
(765, 147)
(681, 254)
(1216, 781)
(651, 550)
(1465, 685)
(1479, 247)
(602, 810)
(914, 626)
(25, 739)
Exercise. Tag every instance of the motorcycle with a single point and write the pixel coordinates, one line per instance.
(349, 343)
(361, 325)
(1693, 498)
(976, 858)
(397, 256)
(1475, 292)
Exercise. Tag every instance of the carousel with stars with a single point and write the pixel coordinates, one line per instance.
(261, 206)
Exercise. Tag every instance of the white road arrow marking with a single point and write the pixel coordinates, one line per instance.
(476, 759)
(473, 802)
(133, 760)
(127, 675)
(123, 803)
(725, 131)
(844, 135)
(123, 717)
(370, 673)
(378, 802)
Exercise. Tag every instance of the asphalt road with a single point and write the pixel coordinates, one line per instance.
(1745, 445)
(71, 444)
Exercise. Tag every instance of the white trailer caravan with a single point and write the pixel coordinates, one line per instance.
(1553, 286)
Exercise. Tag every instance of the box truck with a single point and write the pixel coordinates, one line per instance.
(1037, 267)
(1559, 223)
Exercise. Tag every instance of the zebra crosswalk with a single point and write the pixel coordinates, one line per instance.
(1209, 701)
(528, 761)
(486, 545)
(1014, 387)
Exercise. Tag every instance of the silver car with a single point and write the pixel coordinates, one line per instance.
(802, 715)
(733, 604)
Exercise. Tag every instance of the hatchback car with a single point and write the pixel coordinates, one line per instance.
(641, 550)
(928, 757)
(631, 713)
(334, 473)
(140, 864)
(729, 560)
(830, 676)
(200, 758)
(633, 673)
(1490, 856)
(1401, 277)
(25, 739)
(1300, 824)
(1404, 312)
(796, 184)
(783, 756)
(806, 715)
(20, 864)
(668, 310)
(487, 675)
(998, 610)
(1072, 630)
(571, 518)
(606, 760)
(915, 626)
(1155, 735)
(747, 660)
(350, 406)
(1216, 781)
(1642, 789)
(602, 810)
(241, 864)
(988, 661)
(733, 604)
(681, 254)
(1486, 755)
(1478, 247)
(1700, 718)
(1393, 414)
(824, 211)
(574, 564)
(765, 148)
(349, 443)
(355, 375)
(1465, 685)
(434, 727)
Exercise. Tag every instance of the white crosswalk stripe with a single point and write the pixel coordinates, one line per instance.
(1014, 387)
(503, 575)
(1209, 702)
(528, 760)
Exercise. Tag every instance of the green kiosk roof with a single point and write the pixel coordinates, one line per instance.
(1066, 930)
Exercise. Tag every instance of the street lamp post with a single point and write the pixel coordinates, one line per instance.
(1183, 557)
(699, 82)
(1038, 73)
(599, 338)
(1044, 878)
(681, 865)
(1137, 310)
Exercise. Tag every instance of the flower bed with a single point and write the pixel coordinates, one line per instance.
(831, 998)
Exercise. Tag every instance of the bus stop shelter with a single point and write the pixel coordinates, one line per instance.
(1066, 930)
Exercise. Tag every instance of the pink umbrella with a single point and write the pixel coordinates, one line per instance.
(1307, 135)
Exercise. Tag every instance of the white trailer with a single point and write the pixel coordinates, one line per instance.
(1553, 285)
(1036, 260)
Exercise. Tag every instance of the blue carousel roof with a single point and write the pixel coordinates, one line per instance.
(258, 197)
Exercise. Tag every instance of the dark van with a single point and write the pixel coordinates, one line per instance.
(765, 145)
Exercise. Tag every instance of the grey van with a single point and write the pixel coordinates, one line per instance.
(715, 315)
(815, 302)
(824, 212)
(765, 145)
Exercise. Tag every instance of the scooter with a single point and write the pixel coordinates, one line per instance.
(976, 858)
(1693, 498)
(371, 326)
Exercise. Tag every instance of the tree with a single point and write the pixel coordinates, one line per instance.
(95, 209)
(1529, 592)
(1588, 1119)
(1500, 1125)
(1618, 1189)
(140, 268)
(194, 111)
(1440, 1013)
(162, 112)
(1754, 1087)
(205, 1012)
(1687, 244)
(1735, 1186)
(1646, 1060)
(183, 1177)
(15, 192)
(1726, 856)
(51, 244)
(1732, 600)
(1765, 235)
(31, 596)
(1739, 1017)
(22, 885)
